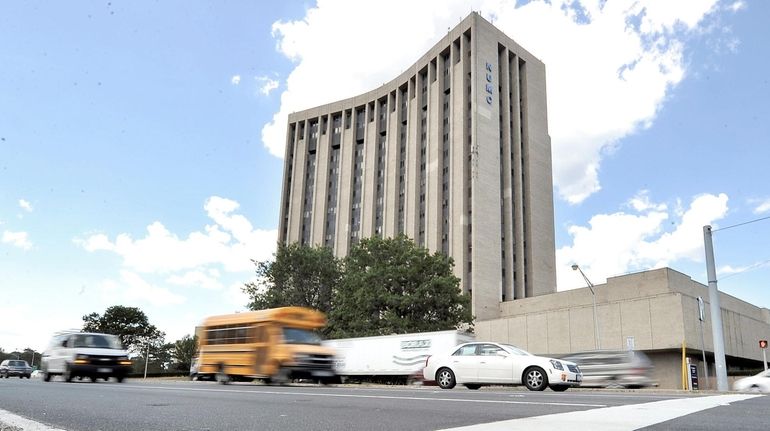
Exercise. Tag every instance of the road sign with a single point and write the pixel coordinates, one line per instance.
(693, 377)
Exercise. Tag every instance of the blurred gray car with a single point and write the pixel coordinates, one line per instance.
(614, 368)
(15, 367)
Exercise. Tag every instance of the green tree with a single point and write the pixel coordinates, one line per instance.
(184, 351)
(392, 286)
(298, 276)
(129, 323)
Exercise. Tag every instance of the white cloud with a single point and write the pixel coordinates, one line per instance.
(266, 84)
(17, 239)
(235, 80)
(762, 207)
(25, 205)
(641, 202)
(610, 65)
(737, 6)
(206, 280)
(618, 243)
(231, 242)
(133, 289)
(210, 258)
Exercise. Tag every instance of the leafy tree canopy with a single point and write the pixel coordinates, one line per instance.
(129, 323)
(393, 286)
(298, 276)
(184, 351)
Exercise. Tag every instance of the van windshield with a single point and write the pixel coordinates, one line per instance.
(97, 340)
(300, 336)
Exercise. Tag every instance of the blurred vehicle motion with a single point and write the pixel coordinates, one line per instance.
(394, 359)
(15, 367)
(756, 383)
(614, 368)
(276, 345)
(484, 363)
(85, 354)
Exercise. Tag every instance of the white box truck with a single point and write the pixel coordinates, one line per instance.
(391, 358)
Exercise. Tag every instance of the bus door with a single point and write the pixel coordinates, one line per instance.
(262, 346)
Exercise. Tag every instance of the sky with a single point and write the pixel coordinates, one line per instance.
(141, 143)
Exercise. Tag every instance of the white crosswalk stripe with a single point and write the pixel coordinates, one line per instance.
(628, 417)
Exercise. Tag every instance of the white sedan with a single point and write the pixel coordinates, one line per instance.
(756, 383)
(483, 363)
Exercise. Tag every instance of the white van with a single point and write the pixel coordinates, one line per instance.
(85, 354)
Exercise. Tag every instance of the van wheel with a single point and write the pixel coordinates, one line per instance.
(46, 376)
(67, 374)
(119, 379)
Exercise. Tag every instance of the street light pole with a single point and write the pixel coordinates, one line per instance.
(597, 342)
(716, 313)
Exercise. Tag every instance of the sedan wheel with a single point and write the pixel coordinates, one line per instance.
(445, 378)
(535, 379)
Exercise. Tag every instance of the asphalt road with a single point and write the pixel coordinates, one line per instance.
(184, 405)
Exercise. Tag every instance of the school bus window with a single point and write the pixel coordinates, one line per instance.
(227, 335)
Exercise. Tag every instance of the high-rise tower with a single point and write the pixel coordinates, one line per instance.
(454, 153)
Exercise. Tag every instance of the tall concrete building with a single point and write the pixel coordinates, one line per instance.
(453, 153)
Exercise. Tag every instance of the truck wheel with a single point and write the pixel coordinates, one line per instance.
(445, 378)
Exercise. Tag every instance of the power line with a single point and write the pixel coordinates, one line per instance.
(740, 224)
(747, 269)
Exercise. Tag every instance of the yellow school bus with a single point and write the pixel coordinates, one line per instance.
(276, 345)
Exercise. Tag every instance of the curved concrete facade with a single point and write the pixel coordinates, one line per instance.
(453, 153)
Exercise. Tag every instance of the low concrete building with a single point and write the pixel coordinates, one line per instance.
(653, 311)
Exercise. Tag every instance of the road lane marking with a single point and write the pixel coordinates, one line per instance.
(382, 397)
(619, 418)
(9, 419)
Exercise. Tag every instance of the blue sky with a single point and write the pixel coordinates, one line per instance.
(141, 142)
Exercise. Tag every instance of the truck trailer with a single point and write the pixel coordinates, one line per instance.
(397, 358)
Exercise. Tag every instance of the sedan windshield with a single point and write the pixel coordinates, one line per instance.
(300, 336)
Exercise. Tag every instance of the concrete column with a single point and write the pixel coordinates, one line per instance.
(433, 219)
(390, 210)
(347, 152)
(487, 279)
(507, 205)
(411, 207)
(369, 175)
(517, 185)
(298, 187)
(323, 150)
(538, 184)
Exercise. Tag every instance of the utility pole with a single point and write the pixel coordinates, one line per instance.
(716, 313)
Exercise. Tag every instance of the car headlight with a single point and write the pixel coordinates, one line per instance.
(123, 360)
(556, 364)
(81, 359)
